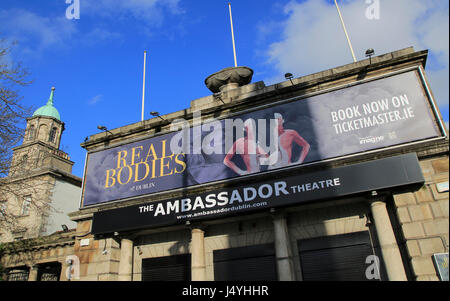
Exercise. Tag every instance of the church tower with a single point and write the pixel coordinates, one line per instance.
(41, 188)
(41, 142)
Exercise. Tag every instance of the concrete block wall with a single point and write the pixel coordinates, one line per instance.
(99, 261)
(423, 217)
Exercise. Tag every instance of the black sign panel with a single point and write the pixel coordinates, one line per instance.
(380, 174)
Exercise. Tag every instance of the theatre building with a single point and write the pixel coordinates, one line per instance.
(338, 175)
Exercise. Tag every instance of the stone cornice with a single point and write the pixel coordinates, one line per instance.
(45, 242)
(47, 117)
(45, 171)
(28, 144)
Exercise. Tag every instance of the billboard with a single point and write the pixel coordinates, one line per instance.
(320, 185)
(386, 112)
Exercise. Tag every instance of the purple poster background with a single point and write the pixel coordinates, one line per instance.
(368, 116)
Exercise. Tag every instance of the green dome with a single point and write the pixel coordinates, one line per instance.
(48, 110)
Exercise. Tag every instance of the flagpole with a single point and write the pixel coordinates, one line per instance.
(345, 31)
(143, 87)
(232, 35)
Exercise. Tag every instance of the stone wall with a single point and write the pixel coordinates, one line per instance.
(99, 258)
(423, 216)
(29, 225)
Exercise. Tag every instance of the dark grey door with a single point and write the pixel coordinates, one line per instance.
(335, 258)
(254, 263)
(168, 268)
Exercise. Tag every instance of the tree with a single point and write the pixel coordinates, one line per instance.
(12, 111)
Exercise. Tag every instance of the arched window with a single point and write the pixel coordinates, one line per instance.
(52, 135)
(43, 132)
(31, 132)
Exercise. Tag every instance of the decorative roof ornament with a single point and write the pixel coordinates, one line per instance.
(229, 78)
(48, 110)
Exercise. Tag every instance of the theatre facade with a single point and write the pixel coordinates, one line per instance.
(338, 175)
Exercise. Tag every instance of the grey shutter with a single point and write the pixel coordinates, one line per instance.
(335, 258)
(168, 268)
(254, 263)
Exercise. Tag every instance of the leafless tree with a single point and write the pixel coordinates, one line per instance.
(15, 176)
(12, 111)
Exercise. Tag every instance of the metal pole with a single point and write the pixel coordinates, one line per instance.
(232, 35)
(143, 87)
(345, 30)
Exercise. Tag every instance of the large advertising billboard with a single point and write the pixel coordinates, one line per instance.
(368, 116)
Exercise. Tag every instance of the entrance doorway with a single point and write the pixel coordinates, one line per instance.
(168, 268)
(336, 258)
(255, 263)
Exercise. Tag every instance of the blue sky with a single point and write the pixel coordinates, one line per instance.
(95, 62)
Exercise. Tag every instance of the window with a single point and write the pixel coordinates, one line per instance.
(18, 274)
(51, 137)
(49, 271)
(26, 205)
(31, 132)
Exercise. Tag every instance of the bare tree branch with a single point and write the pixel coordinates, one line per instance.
(22, 177)
(12, 112)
